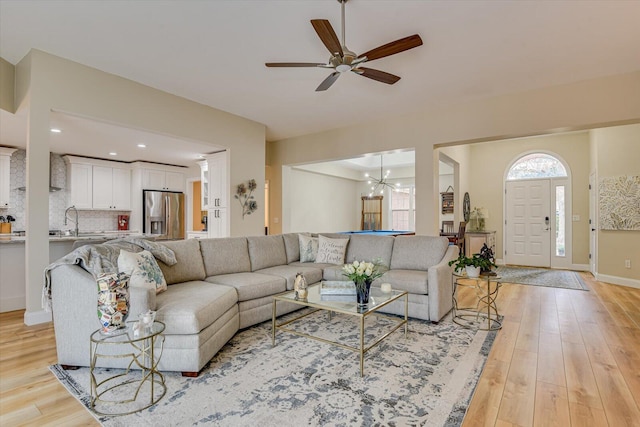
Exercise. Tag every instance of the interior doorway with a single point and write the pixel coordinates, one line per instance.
(537, 212)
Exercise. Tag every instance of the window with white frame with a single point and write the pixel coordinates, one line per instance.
(403, 202)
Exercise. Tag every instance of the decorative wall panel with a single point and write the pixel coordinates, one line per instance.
(619, 203)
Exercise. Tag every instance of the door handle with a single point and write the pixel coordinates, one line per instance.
(546, 222)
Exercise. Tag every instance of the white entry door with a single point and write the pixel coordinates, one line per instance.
(528, 223)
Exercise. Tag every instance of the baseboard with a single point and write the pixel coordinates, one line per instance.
(12, 304)
(37, 317)
(633, 283)
(580, 267)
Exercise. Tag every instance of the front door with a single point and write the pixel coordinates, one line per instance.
(528, 223)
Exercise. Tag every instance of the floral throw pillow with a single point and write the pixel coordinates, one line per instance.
(331, 251)
(308, 248)
(144, 270)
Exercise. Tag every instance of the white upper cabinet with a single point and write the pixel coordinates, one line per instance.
(155, 179)
(5, 189)
(111, 188)
(80, 184)
(204, 185)
(174, 181)
(218, 180)
(98, 184)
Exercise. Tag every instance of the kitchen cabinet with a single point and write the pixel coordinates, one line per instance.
(98, 184)
(197, 234)
(111, 188)
(156, 179)
(204, 185)
(5, 174)
(218, 223)
(218, 182)
(80, 184)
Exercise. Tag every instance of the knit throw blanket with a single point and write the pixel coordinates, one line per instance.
(103, 258)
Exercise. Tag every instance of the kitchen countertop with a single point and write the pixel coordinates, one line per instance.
(97, 235)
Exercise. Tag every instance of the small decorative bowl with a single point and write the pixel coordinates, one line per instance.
(147, 318)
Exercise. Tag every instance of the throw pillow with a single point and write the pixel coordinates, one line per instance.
(308, 248)
(144, 270)
(331, 251)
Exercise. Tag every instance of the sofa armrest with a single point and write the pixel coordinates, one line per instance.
(440, 283)
(74, 294)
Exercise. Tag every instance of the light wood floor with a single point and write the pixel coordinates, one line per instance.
(563, 358)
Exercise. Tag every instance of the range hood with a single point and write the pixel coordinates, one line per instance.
(52, 188)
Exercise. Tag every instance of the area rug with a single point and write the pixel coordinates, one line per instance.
(426, 379)
(542, 277)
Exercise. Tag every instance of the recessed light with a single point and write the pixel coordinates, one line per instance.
(201, 156)
(113, 153)
(142, 146)
(56, 130)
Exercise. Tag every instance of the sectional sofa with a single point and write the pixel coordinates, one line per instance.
(219, 286)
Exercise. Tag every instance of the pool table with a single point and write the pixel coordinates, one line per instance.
(381, 232)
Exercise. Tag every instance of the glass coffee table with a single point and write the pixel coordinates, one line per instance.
(377, 300)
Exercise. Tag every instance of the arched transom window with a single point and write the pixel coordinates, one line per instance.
(536, 165)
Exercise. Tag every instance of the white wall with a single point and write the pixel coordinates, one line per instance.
(323, 203)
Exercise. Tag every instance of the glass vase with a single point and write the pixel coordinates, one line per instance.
(113, 302)
(363, 287)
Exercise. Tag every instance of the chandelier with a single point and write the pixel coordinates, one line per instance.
(378, 185)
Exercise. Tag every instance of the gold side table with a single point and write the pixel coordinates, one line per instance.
(142, 370)
(484, 316)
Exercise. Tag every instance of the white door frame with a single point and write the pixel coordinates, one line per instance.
(593, 224)
(565, 261)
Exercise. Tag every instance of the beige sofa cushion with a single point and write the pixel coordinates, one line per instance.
(412, 281)
(225, 256)
(266, 251)
(288, 272)
(189, 265)
(251, 285)
(418, 252)
(370, 248)
(292, 246)
(190, 307)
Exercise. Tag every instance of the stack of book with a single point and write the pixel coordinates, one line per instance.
(337, 291)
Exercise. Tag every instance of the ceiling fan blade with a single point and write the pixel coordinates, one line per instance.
(392, 48)
(377, 75)
(327, 35)
(326, 83)
(295, 64)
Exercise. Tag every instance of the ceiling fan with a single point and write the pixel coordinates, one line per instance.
(343, 60)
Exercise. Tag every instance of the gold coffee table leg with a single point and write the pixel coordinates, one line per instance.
(362, 346)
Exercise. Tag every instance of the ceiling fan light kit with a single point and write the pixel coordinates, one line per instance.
(343, 60)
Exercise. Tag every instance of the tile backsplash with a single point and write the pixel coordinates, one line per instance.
(89, 220)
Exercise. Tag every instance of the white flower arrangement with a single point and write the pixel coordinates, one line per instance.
(361, 271)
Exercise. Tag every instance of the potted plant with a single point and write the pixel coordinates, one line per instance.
(477, 263)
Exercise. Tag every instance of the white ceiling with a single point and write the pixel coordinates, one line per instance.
(213, 52)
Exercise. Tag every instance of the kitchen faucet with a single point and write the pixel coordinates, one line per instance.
(76, 221)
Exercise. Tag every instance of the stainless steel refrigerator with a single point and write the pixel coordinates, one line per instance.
(163, 214)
